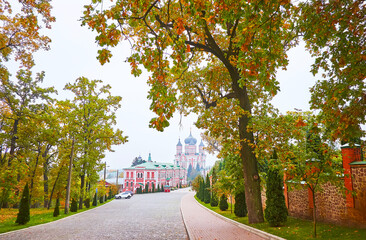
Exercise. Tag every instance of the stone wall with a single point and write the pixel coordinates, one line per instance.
(331, 203)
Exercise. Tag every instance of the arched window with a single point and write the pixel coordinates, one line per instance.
(126, 184)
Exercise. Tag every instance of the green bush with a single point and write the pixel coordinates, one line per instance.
(74, 206)
(101, 199)
(95, 202)
(240, 207)
(223, 203)
(56, 212)
(24, 211)
(87, 203)
(214, 201)
(276, 210)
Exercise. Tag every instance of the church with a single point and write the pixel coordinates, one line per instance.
(190, 156)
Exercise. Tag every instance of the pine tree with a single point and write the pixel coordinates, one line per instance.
(56, 212)
(158, 188)
(95, 202)
(223, 203)
(276, 210)
(240, 207)
(201, 192)
(24, 211)
(207, 194)
(74, 206)
(101, 199)
(110, 193)
(214, 201)
(153, 187)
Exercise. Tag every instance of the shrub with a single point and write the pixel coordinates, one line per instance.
(214, 201)
(158, 188)
(56, 212)
(74, 206)
(87, 203)
(101, 199)
(95, 202)
(240, 207)
(276, 210)
(24, 211)
(223, 203)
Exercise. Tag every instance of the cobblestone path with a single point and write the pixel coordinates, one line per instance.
(144, 216)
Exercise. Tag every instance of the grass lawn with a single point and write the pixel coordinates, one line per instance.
(297, 229)
(38, 216)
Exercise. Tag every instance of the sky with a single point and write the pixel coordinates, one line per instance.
(73, 54)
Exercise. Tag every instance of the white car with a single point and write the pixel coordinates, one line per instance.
(124, 195)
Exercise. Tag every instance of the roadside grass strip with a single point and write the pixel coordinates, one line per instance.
(296, 229)
(38, 216)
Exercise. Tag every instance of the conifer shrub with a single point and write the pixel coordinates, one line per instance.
(74, 206)
(95, 201)
(206, 193)
(101, 199)
(153, 188)
(214, 200)
(87, 203)
(56, 212)
(223, 205)
(158, 190)
(240, 206)
(276, 210)
(24, 211)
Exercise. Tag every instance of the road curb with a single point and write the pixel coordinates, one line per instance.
(18, 230)
(253, 230)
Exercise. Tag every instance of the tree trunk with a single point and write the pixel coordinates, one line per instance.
(252, 186)
(53, 188)
(314, 213)
(67, 201)
(33, 175)
(13, 141)
(45, 183)
(82, 183)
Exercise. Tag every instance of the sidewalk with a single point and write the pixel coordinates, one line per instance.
(202, 223)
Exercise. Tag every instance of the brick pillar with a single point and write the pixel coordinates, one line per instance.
(349, 155)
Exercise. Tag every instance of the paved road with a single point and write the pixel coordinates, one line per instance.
(145, 216)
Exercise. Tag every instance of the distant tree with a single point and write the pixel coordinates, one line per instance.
(74, 206)
(56, 212)
(189, 171)
(24, 211)
(201, 193)
(158, 188)
(101, 199)
(240, 207)
(95, 201)
(137, 161)
(146, 190)
(223, 203)
(153, 187)
(276, 210)
(162, 188)
(110, 194)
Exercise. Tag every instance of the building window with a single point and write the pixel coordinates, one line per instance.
(128, 174)
(148, 175)
(126, 184)
(131, 174)
(152, 175)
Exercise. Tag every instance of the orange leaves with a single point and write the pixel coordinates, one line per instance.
(180, 26)
(300, 122)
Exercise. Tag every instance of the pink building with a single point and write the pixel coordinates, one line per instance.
(190, 157)
(153, 173)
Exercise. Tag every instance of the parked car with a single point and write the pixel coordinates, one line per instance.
(129, 192)
(124, 195)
